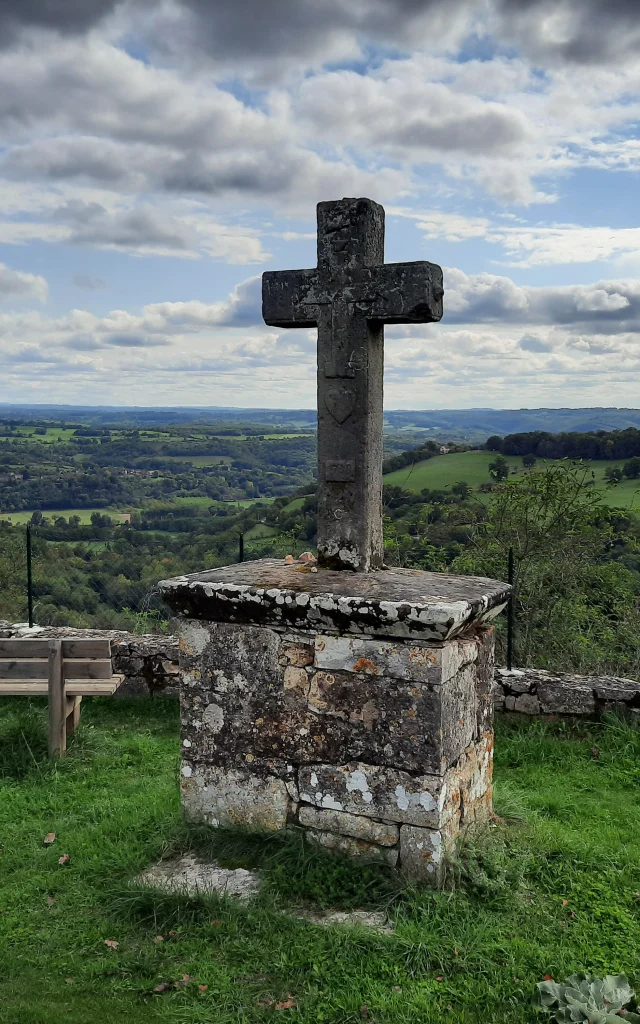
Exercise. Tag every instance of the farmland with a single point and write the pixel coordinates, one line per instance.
(442, 471)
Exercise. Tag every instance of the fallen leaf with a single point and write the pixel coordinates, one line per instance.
(173, 936)
(548, 977)
(397, 988)
(203, 988)
(215, 922)
(159, 938)
(64, 859)
(184, 981)
(164, 986)
(364, 1011)
(288, 1004)
(565, 903)
(51, 900)
(595, 752)
(439, 978)
(49, 838)
(266, 1002)
(289, 560)
(69, 981)
(111, 943)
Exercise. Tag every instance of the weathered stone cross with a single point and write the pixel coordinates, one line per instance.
(349, 297)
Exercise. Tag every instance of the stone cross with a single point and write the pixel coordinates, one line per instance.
(349, 297)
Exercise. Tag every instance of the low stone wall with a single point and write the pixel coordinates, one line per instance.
(533, 691)
(148, 663)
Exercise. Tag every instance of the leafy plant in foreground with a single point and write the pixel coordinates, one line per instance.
(591, 1000)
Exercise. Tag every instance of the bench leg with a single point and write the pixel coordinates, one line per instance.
(72, 707)
(57, 730)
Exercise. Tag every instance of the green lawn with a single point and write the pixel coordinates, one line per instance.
(444, 470)
(551, 892)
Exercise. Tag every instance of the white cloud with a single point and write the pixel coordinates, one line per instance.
(14, 284)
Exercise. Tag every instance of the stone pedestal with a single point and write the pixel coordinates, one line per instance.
(357, 706)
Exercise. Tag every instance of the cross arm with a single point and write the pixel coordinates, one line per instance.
(405, 293)
(289, 298)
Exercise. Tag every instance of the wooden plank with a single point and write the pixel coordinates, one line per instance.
(86, 648)
(40, 648)
(74, 688)
(24, 648)
(57, 716)
(36, 668)
(10, 668)
(79, 669)
(72, 709)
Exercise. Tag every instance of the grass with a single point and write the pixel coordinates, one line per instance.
(553, 891)
(442, 471)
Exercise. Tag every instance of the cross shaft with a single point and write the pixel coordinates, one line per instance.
(349, 297)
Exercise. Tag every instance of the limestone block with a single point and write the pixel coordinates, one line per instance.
(459, 715)
(373, 792)
(416, 661)
(348, 825)
(421, 852)
(519, 684)
(355, 847)
(565, 698)
(221, 796)
(467, 788)
(527, 703)
(510, 703)
(619, 690)
(296, 653)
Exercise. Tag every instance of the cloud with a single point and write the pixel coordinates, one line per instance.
(133, 341)
(14, 284)
(138, 229)
(533, 343)
(88, 282)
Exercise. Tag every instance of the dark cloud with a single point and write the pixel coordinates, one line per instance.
(65, 16)
(580, 31)
(88, 282)
(134, 341)
(269, 31)
(532, 343)
(92, 224)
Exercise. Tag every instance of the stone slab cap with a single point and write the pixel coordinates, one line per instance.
(386, 602)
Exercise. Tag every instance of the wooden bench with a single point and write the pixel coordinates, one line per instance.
(65, 670)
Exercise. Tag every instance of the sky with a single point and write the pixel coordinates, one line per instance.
(156, 156)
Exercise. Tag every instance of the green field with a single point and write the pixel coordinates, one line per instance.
(296, 503)
(200, 460)
(260, 531)
(440, 472)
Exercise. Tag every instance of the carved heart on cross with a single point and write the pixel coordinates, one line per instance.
(340, 402)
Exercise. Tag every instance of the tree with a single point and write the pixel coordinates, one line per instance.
(499, 468)
(613, 474)
(37, 519)
(528, 461)
(631, 469)
(575, 608)
(493, 443)
(462, 488)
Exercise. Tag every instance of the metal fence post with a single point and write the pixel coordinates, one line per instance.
(510, 612)
(29, 576)
(241, 548)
